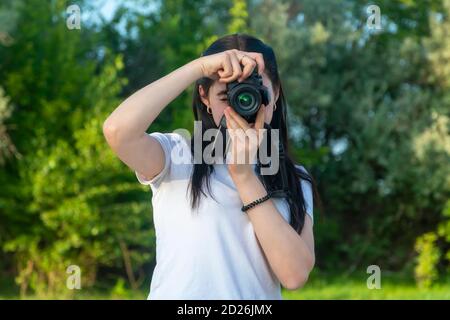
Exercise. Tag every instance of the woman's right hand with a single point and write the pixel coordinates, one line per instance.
(226, 66)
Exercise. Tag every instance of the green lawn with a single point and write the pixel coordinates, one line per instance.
(319, 286)
(356, 288)
(354, 291)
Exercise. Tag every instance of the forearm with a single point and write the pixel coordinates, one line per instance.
(288, 254)
(134, 115)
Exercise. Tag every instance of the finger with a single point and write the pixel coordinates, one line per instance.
(227, 67)
(259, 122)
(238, 140)
(259, 126)
(241, 122)
(252, 136)
(253, 143)
(231, 124)
(249, 64)
(227, 120)
(237, 71)
(236, 132)
(259, 60)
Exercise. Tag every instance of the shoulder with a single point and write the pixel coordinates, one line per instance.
(175, 145)
(303, 174)
(304, 177)
(177, 159)
(170, 140)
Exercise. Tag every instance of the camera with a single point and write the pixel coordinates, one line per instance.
(247, 96)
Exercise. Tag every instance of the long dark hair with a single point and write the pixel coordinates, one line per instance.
(201, 171)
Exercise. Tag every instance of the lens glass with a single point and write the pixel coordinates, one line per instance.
(245, 100)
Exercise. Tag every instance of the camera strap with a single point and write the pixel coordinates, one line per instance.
(270, 181)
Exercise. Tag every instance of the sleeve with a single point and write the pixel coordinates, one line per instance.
(166, 142)
(307, 194)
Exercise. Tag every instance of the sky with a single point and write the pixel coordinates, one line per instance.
(108, 7)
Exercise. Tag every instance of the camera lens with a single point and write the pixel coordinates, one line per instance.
(245, 100)
(246, 97)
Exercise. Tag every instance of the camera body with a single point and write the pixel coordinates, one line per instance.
(247, 96)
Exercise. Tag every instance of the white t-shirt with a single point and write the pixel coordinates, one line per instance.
(212, 252)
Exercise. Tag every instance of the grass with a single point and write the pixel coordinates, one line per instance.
(393, 287)
(319, 287)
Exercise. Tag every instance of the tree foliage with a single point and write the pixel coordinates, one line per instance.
(368, 109)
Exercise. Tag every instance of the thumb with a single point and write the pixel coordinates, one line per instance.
(259, 122)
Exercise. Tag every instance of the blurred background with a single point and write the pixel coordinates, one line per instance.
(369, 105)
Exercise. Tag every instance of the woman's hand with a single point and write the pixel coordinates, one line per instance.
(226, 66)
(245, 141)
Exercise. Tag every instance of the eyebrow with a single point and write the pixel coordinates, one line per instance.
(222, 92)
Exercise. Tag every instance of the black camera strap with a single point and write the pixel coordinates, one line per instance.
(270, 181)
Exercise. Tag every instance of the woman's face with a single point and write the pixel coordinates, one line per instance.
(217, 99)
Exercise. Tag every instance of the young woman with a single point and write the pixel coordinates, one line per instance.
(206, 246)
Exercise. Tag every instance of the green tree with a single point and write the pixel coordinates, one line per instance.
(358, 99)
(157, 42)
(68, 200)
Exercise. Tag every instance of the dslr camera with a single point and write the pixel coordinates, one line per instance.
(247, 96)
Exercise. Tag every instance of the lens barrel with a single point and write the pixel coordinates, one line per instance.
(247, 96)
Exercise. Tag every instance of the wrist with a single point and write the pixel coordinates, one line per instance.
(241, 173)
(198, 68)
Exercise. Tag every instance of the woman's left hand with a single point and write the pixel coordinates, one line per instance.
(245, 141)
